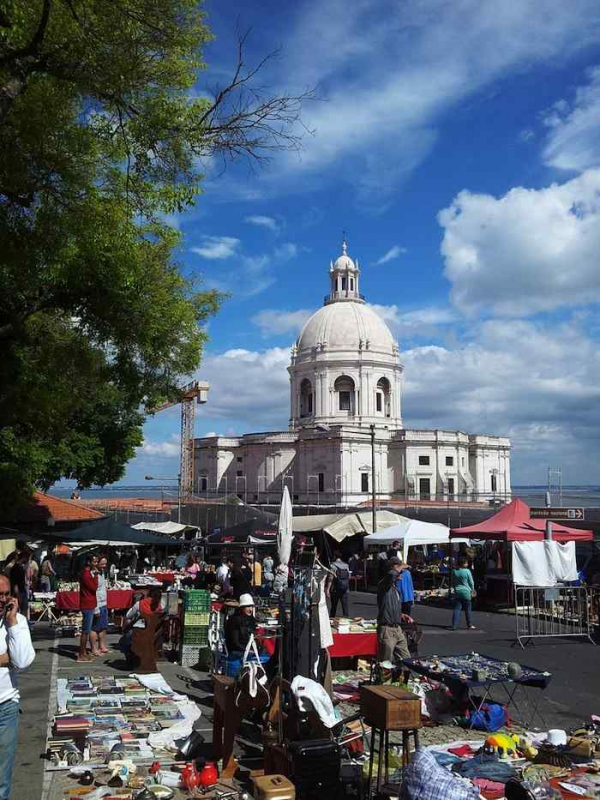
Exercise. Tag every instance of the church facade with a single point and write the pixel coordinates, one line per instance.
(346, 427)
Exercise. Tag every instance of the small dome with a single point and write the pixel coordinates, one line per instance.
(344, 262)
(346, 326)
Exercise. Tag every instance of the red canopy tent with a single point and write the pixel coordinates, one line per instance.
(513, 523)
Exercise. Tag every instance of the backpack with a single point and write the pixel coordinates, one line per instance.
(341, 582)
(252, 681)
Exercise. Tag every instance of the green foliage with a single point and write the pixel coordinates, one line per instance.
(99, 139)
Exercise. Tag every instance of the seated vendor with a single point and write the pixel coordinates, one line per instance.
(148, 608)
(240, 626)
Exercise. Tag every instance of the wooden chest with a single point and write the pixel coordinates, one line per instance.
(390, 708)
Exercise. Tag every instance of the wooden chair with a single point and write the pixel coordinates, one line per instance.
(145, 643)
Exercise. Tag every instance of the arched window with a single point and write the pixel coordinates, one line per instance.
(344, 389)
(383, 403)
(306, 398)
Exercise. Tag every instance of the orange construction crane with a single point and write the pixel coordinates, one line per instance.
(193, 393)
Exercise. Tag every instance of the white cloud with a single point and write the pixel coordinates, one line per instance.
(416, 323)
(390, 72)
(253, 273)
(158, 450)
(273, 322)
(250, 386)
(263, 222)
(217, 247)
(535, 383)
(573, 142)
(393, 253)
(529, 251)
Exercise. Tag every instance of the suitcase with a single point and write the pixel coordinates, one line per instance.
(273, 787)
(314, 762)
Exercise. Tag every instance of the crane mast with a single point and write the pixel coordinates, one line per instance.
(194, 393)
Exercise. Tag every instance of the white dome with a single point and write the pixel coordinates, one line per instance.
(344, 262)
(346, 326)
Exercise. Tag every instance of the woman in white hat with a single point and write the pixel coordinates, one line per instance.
(240, 626)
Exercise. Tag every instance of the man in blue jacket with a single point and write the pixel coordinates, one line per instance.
(406, 589)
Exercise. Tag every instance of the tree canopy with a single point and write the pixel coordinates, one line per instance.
(101, 136)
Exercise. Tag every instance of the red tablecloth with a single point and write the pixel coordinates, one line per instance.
(116, 598)
(166, 577)
(353, 644)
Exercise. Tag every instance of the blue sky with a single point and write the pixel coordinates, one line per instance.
(458, 144)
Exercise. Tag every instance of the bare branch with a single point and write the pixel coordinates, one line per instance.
(245, 120)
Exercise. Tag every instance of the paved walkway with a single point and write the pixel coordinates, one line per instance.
(573, 694)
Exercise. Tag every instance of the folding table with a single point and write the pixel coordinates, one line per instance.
(457, 673)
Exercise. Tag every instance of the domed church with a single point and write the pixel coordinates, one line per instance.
(345, 417)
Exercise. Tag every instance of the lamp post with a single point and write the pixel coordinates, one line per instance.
(167, 478)
(325, 428)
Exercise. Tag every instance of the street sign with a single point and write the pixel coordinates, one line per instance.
(557, 513)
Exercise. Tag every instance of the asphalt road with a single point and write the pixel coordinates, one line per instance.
(572, 696)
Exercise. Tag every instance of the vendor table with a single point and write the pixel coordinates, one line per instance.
(430, 579)
(353, 644)
(47, 601)
(456, 672)
(116, 598)
(163, 577)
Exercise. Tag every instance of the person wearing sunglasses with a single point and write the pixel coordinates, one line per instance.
(16, 653)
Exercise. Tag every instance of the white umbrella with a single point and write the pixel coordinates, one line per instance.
(284, 540)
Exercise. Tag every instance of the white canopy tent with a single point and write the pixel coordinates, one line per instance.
(170, 528)
(412, 532)
(340, 526)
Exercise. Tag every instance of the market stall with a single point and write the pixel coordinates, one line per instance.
(511, 524)
(411, 532)
(116, 599)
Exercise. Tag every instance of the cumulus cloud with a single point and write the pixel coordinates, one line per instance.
(573, 141)
(392, 254)
(535, 383)
(249, 386)
(217, 247)
(274, 322)
(528, 251)
(415, 323)
(263, 222)
(160, 450)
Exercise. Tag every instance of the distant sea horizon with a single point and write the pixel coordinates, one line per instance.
(533, 494)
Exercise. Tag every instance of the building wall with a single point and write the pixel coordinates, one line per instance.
(326, 467)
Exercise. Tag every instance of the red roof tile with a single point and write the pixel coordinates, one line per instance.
(43, 506)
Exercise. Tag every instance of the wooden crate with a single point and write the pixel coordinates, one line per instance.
(390, 708)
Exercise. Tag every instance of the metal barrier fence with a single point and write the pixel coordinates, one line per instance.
(555, 612)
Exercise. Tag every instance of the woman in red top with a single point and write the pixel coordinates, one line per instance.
(88, 585)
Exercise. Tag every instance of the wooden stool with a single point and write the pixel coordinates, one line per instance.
(389, 708)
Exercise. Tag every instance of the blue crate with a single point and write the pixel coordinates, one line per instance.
(231, 666)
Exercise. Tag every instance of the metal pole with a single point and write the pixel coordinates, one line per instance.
(548, 531)
(373, 494)
(179, 498)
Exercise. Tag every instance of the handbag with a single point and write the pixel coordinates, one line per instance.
(252, 681)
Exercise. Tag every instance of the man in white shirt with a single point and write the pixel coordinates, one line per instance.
(223, 571)
(16, 652)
